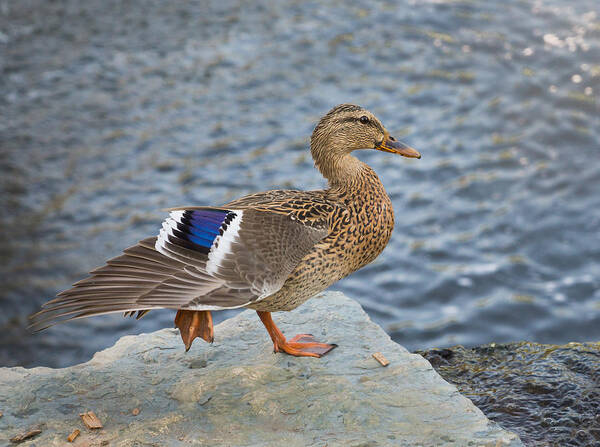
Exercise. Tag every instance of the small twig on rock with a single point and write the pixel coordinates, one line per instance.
(381, 359)
(91, 420)
(23, 436)
(73, 435)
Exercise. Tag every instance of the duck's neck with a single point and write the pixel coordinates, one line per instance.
(341, 170)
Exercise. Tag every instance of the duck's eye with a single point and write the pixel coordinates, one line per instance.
(364, 119)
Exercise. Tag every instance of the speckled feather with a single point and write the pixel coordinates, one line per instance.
(359, 222)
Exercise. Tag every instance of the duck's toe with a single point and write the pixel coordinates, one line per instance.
(305, 345)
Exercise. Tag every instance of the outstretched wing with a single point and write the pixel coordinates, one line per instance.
(203, 259)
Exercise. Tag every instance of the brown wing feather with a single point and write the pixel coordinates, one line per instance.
(311, 208)
(279, 228)
(120, 286)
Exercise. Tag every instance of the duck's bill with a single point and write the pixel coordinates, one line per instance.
(397, 147)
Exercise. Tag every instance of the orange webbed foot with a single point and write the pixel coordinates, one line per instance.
(302, 345)
(194, 323)
(305, 345)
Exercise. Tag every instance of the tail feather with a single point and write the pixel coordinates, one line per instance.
(41, 323)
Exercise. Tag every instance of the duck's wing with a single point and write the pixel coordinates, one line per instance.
(203, 259)
(309, 208)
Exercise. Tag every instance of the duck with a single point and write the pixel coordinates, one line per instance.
(268, 251)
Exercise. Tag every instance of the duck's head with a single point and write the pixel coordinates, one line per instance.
(348, 127)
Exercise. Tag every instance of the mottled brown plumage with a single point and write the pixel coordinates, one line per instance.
(269, 251)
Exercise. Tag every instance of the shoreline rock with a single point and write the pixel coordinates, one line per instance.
(548, 394)
(147, 390)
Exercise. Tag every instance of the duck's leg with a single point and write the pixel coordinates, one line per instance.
(194, 323)
(303, 345)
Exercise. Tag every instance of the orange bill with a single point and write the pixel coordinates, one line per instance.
(390, 144)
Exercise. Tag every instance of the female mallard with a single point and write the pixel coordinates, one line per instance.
(269, 251)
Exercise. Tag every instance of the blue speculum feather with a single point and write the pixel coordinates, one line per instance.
(199, 228)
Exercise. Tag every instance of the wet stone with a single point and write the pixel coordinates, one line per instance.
(548, 394)
(344, 398)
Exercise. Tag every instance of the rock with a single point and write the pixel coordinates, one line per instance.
(236, 392)
(548, 394)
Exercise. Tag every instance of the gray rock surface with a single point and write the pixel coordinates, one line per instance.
(236, 392)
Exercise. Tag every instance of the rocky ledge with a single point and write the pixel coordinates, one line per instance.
(146, 390)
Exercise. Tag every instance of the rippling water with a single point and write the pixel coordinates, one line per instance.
(112, 111)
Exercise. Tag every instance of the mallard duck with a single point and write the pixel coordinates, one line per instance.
(270, 251)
